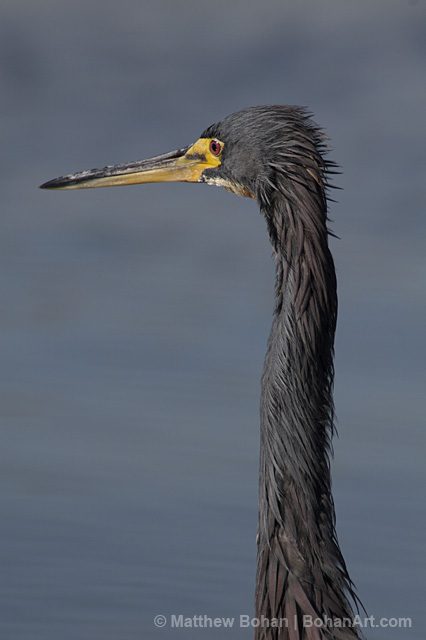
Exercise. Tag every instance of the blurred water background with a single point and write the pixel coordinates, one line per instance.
(134, 321)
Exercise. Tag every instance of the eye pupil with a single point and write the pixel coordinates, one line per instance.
(215, 147)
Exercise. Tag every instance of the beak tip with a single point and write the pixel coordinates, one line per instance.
(51, 184)
(64, 182)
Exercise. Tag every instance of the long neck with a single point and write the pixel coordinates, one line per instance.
(300, 567)
(296, 402)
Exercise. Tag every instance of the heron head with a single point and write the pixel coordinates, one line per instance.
(252, 153)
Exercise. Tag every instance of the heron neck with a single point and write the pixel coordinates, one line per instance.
(300, 568)
(296, 399)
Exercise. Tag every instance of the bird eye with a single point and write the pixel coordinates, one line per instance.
(215, 147)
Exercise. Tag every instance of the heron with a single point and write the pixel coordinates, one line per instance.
(278, 156)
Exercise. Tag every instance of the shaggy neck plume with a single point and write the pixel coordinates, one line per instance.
(300, 568)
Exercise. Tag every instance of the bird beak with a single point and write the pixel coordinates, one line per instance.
(182, 165)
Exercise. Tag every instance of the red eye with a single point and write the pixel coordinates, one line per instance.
(215, 147)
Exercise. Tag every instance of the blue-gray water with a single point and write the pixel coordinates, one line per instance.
(134, 321)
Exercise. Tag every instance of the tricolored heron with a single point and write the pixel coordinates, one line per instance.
(275, 154)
